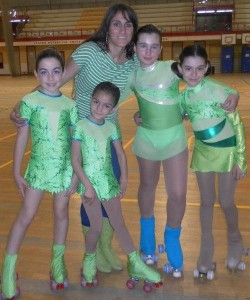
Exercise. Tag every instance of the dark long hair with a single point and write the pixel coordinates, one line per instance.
(191, 50)
(100, 36)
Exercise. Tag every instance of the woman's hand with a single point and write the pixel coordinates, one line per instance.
(15, 117)
(137, 118)
(230, 103)
(89, 195)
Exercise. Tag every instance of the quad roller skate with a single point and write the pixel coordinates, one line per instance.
(89, 271)
(137, 270)
(209, 274)
(147, 241)
(9, 288)
(58, 274)
(173, 249)
(235, 253)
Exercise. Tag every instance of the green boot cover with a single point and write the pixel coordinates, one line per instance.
(138, 269)
(58, 268)
(9, 275)
(89, 267)
(105, 244)
(101, 262)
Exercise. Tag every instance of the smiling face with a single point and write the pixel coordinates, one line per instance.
(49, 74)
(120, 31)
(101, 105)
(148, 48)
(193, 70)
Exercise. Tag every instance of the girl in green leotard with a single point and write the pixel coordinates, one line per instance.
(219, 150)
(50, 116)
(91, 159)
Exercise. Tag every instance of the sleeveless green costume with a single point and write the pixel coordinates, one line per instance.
(96, 156)
(49, 118)
(161, 134)
(219, 137)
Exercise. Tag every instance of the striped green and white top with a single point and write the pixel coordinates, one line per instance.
(96, 66)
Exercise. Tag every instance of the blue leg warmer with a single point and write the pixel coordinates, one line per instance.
(173, 247)
(117, 172)
(147, 240)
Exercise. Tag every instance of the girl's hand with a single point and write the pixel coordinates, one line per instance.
(230, 103)
(137, 118)
(22, 185)
(237, 173)
(89, 196)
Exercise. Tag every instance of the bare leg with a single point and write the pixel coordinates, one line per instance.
(206, 182)
(149, 177)
(24, 218)
(94, 213)
(114, 211)
(175, 174)
(227, 186)
(61, 218)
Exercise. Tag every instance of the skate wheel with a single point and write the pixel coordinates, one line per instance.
(210, 275)
(158, 284)
(161, 248)
(130, 284)
(245, 251)
(147, 288)
(241, 266)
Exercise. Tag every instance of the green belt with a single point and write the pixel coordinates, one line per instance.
(156, 116)
(229, 142)
(210, 132)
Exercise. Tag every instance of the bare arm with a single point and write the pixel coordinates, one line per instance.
(76, 159)
(19, 150)
(123, 166)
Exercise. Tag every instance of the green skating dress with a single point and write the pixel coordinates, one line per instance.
(49, 168)
(162, 134)
(219, 137)
(95, 142)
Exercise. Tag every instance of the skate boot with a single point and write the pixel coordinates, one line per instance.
(147, 240)
(205, 266)
(137, 270)
(58, 273)
(101, 262)
(235, 251)
(88, 272)
(105, 241)
(174, 252)
(9, 290)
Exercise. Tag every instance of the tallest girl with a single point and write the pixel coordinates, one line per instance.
(106, 56)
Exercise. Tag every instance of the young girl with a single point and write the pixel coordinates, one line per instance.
(160, 140)
(219, 149)
(50, 116)
(91, 159)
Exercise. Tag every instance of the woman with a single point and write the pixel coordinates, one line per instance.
(108, 55)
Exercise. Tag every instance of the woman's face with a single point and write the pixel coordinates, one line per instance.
(120, 31)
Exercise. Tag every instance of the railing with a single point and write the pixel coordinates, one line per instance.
(168, 29)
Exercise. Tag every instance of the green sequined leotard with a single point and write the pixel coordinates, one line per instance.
(50, 118)
(219, 137)
(162, 133)
(95, 149)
